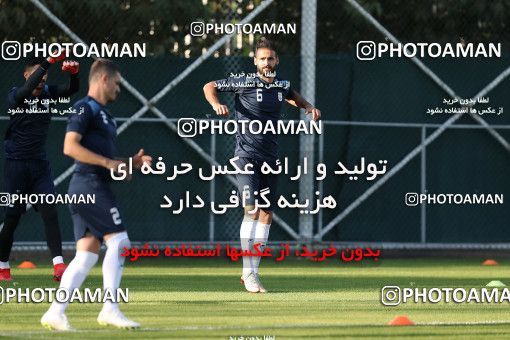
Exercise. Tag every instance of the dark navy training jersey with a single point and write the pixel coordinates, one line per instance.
(26, 135)
(255, 99)
(98, 130)
(30, 116)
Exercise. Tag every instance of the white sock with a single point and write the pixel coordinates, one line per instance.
(261, 236)
(74, 276)
(113, 264)
(4, 265)
(247, 234)
(58, 260)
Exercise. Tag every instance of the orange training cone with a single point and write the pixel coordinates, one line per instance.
(27, 265)
(490, 262)
(401, 320)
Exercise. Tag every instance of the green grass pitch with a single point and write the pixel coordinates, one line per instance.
(203, 299)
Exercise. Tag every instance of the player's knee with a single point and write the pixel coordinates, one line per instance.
(88, 243)
(265, 216)
(253, 215)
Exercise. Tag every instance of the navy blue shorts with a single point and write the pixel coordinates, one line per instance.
(256, 182)
(29, 176)
(101, 218)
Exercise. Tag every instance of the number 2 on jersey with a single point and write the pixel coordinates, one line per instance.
(115, 216)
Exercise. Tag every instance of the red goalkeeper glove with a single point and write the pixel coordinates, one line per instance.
(71, 66)
(60, 56)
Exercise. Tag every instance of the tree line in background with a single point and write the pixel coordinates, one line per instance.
(165, 25)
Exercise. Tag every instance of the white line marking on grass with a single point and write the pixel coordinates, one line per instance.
(282, 326)
(463, 323)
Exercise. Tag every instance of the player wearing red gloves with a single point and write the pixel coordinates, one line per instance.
(26, 168)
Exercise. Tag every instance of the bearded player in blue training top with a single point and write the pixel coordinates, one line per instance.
(257, 98)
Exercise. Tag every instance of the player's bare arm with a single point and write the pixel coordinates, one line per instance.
(211, 95)
(73, 149)
(295, 99)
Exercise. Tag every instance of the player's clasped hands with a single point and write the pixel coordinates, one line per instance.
(70, 66)
(141, 158)
(119, 166)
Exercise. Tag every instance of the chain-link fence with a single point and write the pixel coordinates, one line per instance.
(372, 109)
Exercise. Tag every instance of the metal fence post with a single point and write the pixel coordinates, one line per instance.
(212, 190)
(423, 222)
(306, 142)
